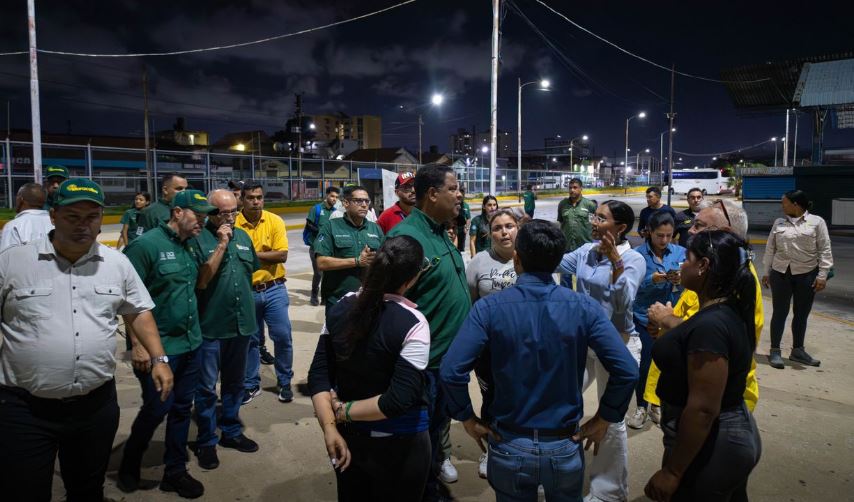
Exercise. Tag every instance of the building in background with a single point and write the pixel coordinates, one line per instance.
(470, 143)
(179, 135)
(366, 130)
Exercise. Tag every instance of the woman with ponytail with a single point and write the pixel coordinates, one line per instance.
(367, 381)
(711, 441)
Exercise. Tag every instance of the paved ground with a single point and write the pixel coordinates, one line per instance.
(804, 415)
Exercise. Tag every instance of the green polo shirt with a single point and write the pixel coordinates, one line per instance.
(481, 234)
(340, 238)
(574, 220)
(169, 269)
(155, 214)
(530, 198)
(227, 305)
(441, 292)
(131, 219)
(319, 214)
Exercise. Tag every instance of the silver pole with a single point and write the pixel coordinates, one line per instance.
(786, 142)
(795, 145)
(34, 93)
(626, 165)
(519, 141)
(493, 103)
(89, 159)
(420, 148)
(9, 172)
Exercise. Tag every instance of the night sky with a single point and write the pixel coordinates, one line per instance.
(401, 57)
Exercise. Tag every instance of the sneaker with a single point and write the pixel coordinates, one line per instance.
(250, 394)
(775, 360)
(208, 459)
(799, 355)
(655, 414)
(637, 420)
(286, 395)
(266, 357)
(481, 465)
(183, 484)
(447, 472)
(239, 443)
(314, 301)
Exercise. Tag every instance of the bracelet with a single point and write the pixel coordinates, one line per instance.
(617, 264)
(347, 411)
(356, 259)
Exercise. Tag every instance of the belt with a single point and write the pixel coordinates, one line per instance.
(267, 285)
(563, 433)
(100, 392)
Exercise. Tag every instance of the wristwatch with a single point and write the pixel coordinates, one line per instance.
(160, 359)
(616, 265)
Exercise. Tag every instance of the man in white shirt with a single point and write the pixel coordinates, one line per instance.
(32, 222)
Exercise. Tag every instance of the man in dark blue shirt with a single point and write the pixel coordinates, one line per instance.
(538, 334)
(653, 205)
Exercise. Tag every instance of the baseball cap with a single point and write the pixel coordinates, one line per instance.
(194, 200)
(50, 171)
(78, 190)
(404, 179)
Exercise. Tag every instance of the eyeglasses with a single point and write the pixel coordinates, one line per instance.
(406, 189)
(361, 202)
(427, 264)
(595, 218)
(720, 202)
(220, 212)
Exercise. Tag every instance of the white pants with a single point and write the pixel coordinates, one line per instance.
(609, 470)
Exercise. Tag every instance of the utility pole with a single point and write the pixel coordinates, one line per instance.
(786, 142)
(299, 131)
(671, 116)
(795, 146)
(420, 149)
(493, 103)
(34, 93)
(149, 179)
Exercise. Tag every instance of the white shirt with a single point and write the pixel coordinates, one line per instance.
(28, 226)
(800, 245)
(58, 319)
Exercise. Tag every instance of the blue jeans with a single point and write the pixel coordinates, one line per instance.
(645, 361)
(519, 464)
(185, 370)
(226, 357)
(271, 306)
(439, 419)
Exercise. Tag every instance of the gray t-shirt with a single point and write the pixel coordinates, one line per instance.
(487, 274)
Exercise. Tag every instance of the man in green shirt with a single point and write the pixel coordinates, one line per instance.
(317, 216)
(529, 197)
(53, 177)
(161, 210)
(441, 293)
(226, 260)
(168, 266)
(573, 214)
(345, 246)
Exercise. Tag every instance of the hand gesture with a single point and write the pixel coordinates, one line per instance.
(336, 448)
(161, 373)
(608, 247)
(658, 277)
(819, 284)
(658, 312)
(662, 485)
(140, 359)
(224, 233)
(366, 257)
(593, 431)
(766, 281)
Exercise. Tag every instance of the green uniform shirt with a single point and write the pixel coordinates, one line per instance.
(479, 231)
(227, 304)
(340, 238)
(322, 217)
(575, 221)
(441, 292)
(529, 197)
(131, 219)
(155, 214)
(169, 269)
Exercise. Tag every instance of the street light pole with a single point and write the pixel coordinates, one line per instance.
(639, 115)
(544, 86)
(420, 149)
(493, 101)
(34, 94)
(774, 140)
(572, 149)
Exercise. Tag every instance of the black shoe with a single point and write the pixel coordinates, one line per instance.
(314, 301)
(775, 359)
(286, 395)
(266, 357)
(799, 355)
(250, 394)
(183, 484)
(207, 457)
(239, 443)
(128, 482)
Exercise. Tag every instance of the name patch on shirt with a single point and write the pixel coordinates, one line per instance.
(241, 247)
(167, 255)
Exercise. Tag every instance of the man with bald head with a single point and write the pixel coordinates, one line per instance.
(32, 222)
(226, 261)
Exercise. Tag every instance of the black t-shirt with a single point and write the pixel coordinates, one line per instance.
(717, 329)
(684, 220)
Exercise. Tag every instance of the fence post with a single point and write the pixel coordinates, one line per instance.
(89, 159)
(154, 191)
(208, 170)
(252, 165)
(9, 172)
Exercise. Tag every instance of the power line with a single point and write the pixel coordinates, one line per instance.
(221, 47)
(645, 60)
(737, 150)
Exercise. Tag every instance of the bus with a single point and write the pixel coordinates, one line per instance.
(710, 181)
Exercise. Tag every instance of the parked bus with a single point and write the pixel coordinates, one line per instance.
(710, 181)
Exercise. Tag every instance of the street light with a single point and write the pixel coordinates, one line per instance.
(774, 140)
(661, 157)
(583, 137)
(640, 116)
(435, 100)
(544, 86)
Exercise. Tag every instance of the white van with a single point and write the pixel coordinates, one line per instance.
(710, 181)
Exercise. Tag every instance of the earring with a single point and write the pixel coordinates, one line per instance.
(700, 273)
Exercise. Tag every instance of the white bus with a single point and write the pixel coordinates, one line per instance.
(710, 181)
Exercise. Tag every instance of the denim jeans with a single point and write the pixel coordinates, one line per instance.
(439, 419)
(226, 357)
(519, 464)
(785, 288)
(271, 306)
(185, 370)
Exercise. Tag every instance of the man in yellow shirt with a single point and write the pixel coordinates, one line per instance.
(270, 239)
(720, 215)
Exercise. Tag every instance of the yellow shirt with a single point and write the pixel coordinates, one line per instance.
(689, 305)
(269, 234)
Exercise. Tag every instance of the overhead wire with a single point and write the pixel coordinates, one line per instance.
(712, 154)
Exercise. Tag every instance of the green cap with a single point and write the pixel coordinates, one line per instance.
(50, 171)
(194, 200)
(78, 190)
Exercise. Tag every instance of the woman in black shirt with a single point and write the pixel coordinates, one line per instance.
(711, 442)
(367, 382)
